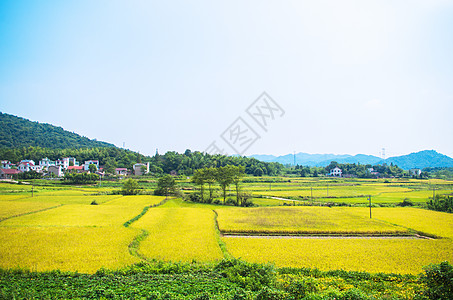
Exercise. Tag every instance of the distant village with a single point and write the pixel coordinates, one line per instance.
(57, 168)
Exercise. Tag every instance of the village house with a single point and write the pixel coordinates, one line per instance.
(6, 164)
(28, 165)
(86, 165)
(335, 172)
(121, 171)
(56, 171)
(45, 163)
(415, 172)
(140, 169)
(8, 173)
(76, 169)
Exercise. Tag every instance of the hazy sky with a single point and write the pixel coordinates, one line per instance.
(351, 76)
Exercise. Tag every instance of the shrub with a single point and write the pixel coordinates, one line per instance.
(247, 275)
(439, 281)
(406, 202)
(267, 293)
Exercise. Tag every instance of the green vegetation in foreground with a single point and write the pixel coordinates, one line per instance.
(227, 279)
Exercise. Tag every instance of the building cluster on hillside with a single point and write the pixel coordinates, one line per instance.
(57, 168)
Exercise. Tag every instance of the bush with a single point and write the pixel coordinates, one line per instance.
(300, 288)
(130, 187)
(406, 202)
(247, 275)
(271, 294)
(439, 281)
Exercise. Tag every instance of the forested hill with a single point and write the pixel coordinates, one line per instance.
(17, 132)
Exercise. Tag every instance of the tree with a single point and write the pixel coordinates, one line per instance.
(92, 168)
(225, 178)
(166, 185)
(130, 187)
(199, 179)
(237, 174)
(210, 176)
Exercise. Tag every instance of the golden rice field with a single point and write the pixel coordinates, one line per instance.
(114, 213)
(179, 234)
(10, 209)
(370, 255)
(83, 249)
(59, 229)
(428, 221)
(301, 220)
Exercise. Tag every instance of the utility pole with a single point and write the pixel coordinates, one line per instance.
(294, 158)
(311, 194)
(32, 187)
(434, 194)
(369, 199)
(327, 189)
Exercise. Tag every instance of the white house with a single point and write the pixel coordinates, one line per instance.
(26, 165)
(415, 172)
(121, 171)
(6, 164)
(138, 168)
(336, 172)
(45, 163)
(86, 165)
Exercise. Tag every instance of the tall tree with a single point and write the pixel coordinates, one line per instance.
(166, 185)
(225, 178)
(199, 179)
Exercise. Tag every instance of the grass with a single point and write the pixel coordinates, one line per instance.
(179, 234)
(370, 255)
(301, 220)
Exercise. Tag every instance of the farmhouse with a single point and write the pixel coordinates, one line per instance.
(28, 165)
(121, 171)
(56, 170)
(8, 173)
(6, 164)
(140, 169)
(335, 172)
(415, 172)
(86, 165)
(75, 169)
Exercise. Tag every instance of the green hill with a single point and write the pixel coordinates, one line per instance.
(16, 132)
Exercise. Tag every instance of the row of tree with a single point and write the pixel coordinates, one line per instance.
(356, 170)
(224, 177)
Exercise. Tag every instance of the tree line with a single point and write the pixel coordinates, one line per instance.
(224, 177)
(356, 170)
(112, 157)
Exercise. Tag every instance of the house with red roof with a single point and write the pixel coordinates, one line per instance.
(121, 171)
(75, 169)
(8, 173)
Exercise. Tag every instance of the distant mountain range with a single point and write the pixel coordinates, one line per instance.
(17, 132)
(419, 160)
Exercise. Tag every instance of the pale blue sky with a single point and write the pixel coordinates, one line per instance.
(352, 76)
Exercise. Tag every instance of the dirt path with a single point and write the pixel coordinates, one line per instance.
(412, 237)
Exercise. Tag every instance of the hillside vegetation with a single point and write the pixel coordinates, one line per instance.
(16, 132)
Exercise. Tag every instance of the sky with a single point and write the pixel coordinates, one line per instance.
(343, 77)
